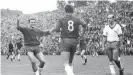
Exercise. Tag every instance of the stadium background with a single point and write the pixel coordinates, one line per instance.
(93, 12)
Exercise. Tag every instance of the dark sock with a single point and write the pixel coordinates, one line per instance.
(118, 64)
(7, 56)
(34, 67)
(81, 56)
(41, 65)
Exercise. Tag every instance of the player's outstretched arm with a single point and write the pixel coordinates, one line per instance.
(42, 33)
(52, 30)
(56, 28)
(45, 33)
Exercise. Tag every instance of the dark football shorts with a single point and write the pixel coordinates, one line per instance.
(10, 50)
(82, 46)
(68, 44)
(17, 51)
(34, 49)
(10, 53)
(112, 50)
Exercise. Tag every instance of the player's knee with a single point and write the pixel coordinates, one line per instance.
(116, 58)
(33, 62)
(111, 63)
(66, 64)
(111, 59)
(70, 64)
(82, 55)
(42, 61)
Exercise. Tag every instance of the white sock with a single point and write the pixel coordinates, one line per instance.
(12, 56)
(18, 56)
(68, 70)
(96, 54)
(71, 68)
(112, 69)
(37, 72)
(93, 54)
(40, 70)
(119, 58)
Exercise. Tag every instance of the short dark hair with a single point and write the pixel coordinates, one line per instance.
(31, 19)
(20, 38)
(69, 9)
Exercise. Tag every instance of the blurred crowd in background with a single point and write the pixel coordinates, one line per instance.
(93, 12)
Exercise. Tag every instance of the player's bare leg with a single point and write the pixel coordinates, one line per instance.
(93, 53)
(117, 61)
(111, 65)
(8, 55)
(33, 62)
(112, 68)
(83, 57)
(40, 57)
(96, 54)
(12, 55)
(68, 68)
(18, 55)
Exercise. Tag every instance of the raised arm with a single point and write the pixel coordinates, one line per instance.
(18, 25)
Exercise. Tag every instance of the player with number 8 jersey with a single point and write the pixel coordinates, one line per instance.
(69, 28)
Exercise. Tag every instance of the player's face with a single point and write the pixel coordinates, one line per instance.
(21, 40)
(32, 23)
(110, 20)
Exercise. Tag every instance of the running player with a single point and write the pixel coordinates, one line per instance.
(112, 35)
(10, 51)
(18, 48)
(82, 46)
(31, 43)
(69, 26)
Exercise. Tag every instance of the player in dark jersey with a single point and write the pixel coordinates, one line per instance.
(82, 46)
(69, 28)
(31, 43)
(10, 50)
(18, 48)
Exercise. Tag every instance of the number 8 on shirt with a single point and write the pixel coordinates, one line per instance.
(70, 25)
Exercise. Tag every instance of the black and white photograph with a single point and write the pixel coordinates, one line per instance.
(66, 37)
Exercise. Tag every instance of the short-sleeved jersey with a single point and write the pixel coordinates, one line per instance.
(112, 33)
(70, 26)
(10, 46)
(31, 36)
(19, 45)
(82, 41)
